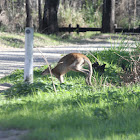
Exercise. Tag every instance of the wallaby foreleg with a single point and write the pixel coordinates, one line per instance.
(61, 79)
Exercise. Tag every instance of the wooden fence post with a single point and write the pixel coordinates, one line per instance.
(69, 28)
(77, 29)
(28, 67)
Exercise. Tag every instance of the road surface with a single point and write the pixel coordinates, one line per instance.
(13, 58)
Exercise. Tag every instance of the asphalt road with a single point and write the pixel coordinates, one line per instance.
(13, 58)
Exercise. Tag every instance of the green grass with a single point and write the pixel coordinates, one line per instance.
(17, 40)
(108, 110)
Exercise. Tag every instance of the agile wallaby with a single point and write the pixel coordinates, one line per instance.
(71, 62)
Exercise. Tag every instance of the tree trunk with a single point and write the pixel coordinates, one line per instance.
(44, 22)
(40, 15)
(29, 22)
(108, 18)
(50, 24)
(135, 12)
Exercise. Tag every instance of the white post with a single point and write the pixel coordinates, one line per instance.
(28, 67)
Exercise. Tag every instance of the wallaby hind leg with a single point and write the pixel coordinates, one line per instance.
(79, 67)
(88, 80)
(88, 76)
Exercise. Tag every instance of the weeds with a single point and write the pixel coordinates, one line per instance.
(132, 75)
(107, 110)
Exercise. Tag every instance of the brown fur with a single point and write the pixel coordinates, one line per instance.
(71, 62)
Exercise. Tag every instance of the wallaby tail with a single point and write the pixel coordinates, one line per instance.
(90, 71)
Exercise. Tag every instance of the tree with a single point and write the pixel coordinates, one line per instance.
(40, 15)
(29, 21)
(135, 11)
(108, 18)
(50, 23)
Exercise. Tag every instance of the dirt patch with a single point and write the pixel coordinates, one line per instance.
(4, 86)
(12, 134)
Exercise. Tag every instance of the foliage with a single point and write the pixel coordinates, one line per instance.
(93, 14)
(124, 22)
(87, 15)
(107, 110)
(83, 12)
(77, 111)
(127, 15)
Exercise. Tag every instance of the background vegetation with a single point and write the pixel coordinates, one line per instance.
(86, 13)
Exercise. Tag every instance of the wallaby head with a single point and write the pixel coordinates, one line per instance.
(47, 71)
(71, 62)
(97, 67)
(96, 64)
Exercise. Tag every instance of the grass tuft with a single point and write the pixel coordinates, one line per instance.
(107, 110)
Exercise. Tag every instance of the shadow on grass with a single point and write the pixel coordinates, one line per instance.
(97, 38)
(20, 88)
(65, 119)
(79, 115)
(67, 38)
(24, 89)
(13, 42)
